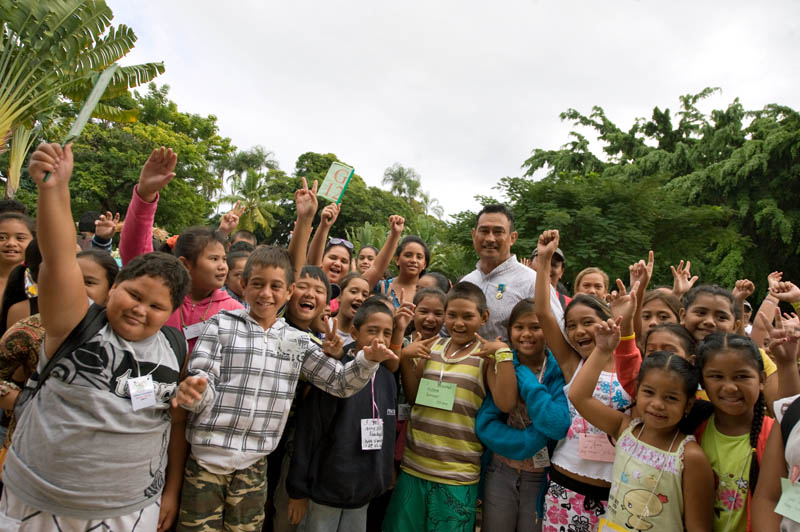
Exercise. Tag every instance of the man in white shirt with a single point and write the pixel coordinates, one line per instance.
(498, 273)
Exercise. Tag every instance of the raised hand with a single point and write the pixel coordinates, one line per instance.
(329, 214)
(773, 279)
(378, 352)
(682, 279)
(607, 334)
(53, 159)
(784, 340)
(157, 172)
(332, 345)
(106, 226)
(487, 348)
(743, 289)
(404, 314)
(623, 304)
(527, 262)
(305, 201)
(190, 390)
(419, 348)
(230, 219)
(547, 245)
(642, 272)
(397, 224)
(786, 291)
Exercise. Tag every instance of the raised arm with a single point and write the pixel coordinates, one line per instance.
(743, 289)
(766, 309)
(305, 201)
(317, 247)
(137, 232)
(566, 356)
(343, 380)
(62, 297)
(230, 220)
(641, 273)
(627, 358)
(597, 413)
(375, 272)
(682, 280)
(785, 347)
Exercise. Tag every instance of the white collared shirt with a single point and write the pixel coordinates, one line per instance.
(519, 283)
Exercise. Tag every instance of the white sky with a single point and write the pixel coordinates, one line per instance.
(461, 91)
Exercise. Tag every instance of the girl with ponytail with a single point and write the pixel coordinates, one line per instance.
(734, 437)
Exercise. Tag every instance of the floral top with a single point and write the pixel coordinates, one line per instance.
(19, 350)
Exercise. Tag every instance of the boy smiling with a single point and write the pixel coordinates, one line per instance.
(241, 381)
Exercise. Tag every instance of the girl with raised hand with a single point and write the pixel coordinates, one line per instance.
(734, 438)
(412, 257)
(365, 257)
(522, 440)
(662, 480)
(580, 476)
(200, 249)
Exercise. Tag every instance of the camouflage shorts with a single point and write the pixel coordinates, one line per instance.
(233, 503)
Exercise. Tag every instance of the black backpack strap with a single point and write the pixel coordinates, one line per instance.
(790, 419)
(92, 322)
(178, 344)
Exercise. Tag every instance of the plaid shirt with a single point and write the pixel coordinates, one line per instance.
(252, 375)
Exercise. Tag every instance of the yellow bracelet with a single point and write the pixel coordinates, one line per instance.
(796, 306)
(631, 337)
(503, 355)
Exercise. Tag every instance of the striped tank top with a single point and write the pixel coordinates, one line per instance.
(441, 445)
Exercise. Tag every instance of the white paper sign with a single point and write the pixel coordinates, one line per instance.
(371, 434)
(143, 393)
(193, 330)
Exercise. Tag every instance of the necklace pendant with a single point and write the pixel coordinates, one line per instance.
(499, 295)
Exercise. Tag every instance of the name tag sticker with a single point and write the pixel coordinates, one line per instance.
(143, 393)
(542, 458)
(193, 330)
(371, 434)
(403, 411)
(595, 447)
(605, 526)
(789, 503)
(435, 394)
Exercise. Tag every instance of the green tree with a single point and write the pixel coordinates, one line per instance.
(402, 181)
(109, 156)
(717, 188)
(53, 50)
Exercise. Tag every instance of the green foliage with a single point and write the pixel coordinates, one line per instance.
(718, 189)
(109, 156)
(56, 49)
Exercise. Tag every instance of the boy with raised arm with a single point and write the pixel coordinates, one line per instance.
(95, 429)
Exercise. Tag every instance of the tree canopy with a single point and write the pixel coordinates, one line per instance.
(716, 188)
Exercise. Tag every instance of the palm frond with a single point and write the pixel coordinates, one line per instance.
(109, 49)
(115, 114)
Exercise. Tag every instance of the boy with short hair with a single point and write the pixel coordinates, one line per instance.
(239, 388)
(233, 283)
(344, 448)
(95, 429)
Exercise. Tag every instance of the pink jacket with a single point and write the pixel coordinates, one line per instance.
(627, 361)
(137, 239)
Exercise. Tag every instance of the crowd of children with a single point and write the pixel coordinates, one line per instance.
(218, 384)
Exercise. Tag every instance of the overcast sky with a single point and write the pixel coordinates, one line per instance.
(461, 91)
